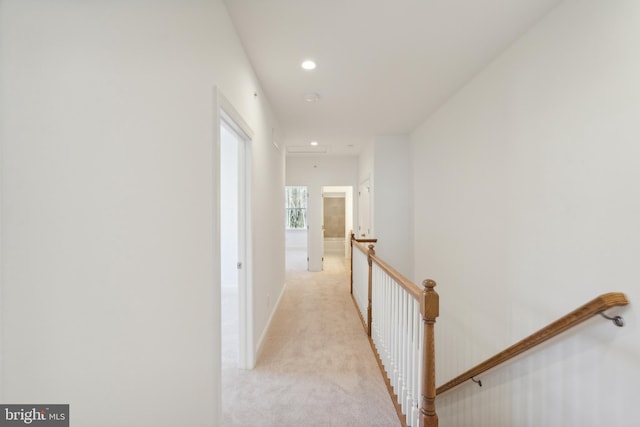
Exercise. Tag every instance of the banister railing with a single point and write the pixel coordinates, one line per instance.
(399, 320)
(356, 240)
(594, 307)
(361, 278)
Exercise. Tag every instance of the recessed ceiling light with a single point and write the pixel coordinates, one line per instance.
(314, 143)
(309, 65)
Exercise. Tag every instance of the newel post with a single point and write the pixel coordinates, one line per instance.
(370, 255)
(353, 236)
(430, 309)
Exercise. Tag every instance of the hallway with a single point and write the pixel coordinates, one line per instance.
(316, 367)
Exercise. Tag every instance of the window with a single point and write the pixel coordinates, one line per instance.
(296, 208)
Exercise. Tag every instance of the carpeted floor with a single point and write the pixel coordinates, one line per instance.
(316, 367)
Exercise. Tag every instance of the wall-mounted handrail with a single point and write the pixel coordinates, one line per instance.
(579, 315)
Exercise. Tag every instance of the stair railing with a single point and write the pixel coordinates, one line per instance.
(594, 307)
(361, 280)
(399, 318)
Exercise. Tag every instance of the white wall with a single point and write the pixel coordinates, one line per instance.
(365, 162)
(392, 203)
(315, 173)
(386, 163)
(365, 220)
(268, 257)
(526, 206)
(110, 270)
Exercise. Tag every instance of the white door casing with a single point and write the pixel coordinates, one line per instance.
(227, 115)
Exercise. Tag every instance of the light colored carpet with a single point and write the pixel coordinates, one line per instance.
(316, 367)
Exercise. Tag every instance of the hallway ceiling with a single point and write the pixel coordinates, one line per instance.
(383, 66)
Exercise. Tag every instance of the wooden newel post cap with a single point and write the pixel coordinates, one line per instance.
(431, 301)
(372, 251)
(428, 284)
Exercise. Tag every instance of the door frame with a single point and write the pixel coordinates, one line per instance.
(225, 112)
(349, 219)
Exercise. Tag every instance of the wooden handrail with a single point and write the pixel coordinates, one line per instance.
(353, 237)
(429, 310)
(406, 284)
(579, 315)
(360, 246)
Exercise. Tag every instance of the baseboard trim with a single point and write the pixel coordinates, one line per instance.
(269, 321)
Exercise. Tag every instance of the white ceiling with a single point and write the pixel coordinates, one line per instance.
(383, 65)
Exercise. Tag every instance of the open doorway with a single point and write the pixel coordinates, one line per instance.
(235, 239)
(337, 207)
(296, 228)
(229, 250)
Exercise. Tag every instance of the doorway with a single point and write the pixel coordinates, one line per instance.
(337, 210)
(235, 239)
(229, 248)
(296, 228)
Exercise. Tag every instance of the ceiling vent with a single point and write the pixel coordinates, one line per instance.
(306, 149)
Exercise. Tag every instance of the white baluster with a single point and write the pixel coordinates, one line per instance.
(405, 350)
(415, 378)
(397, 334)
